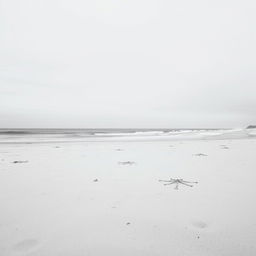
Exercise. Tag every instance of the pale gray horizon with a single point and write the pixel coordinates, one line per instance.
(114, 63)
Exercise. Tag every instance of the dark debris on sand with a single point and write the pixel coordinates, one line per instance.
(19, 162)
(178, 182)
(224, 147)
(126, 163)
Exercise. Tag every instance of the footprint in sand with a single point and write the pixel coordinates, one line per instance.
(199, 224)
(26, 245)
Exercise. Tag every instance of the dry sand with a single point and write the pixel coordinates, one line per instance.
(77, 199)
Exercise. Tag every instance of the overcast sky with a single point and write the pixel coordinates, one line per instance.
(127, 63)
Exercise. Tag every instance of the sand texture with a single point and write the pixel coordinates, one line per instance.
(103, 197)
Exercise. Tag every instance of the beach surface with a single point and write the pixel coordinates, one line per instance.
(101, 195)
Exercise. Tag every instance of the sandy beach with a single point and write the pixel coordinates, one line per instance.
(127, 128)
(102, 195)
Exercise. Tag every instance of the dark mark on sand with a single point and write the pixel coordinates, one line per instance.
(126, 163)
(20, 162)
(200, 154)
